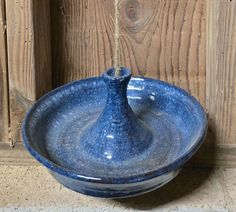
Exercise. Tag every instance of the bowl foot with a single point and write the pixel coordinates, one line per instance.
(116, 191)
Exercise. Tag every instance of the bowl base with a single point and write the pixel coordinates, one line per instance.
(117, 191)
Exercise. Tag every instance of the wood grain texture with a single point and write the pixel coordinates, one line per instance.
(4, 119)
(82, 38)
(29, 56)
(165, 39)
(221, 69)
(15, 156)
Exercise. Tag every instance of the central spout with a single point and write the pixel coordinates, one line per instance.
(117, 109)
(118, 134)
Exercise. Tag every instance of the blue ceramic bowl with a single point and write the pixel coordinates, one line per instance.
(114, 136)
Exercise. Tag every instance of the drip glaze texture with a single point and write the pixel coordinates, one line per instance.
(114, 136)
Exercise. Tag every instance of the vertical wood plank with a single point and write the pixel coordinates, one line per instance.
(29, 62)
(221, 69)
(82, 38)
(165, 39)
(4, 119)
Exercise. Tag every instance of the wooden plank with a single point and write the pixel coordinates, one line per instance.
(221, 69)
(217, 156)
(4, 121)
(29, 62)
(82, 38)
(15, 156)
(165, 39)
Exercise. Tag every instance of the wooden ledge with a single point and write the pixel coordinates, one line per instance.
(207, 156)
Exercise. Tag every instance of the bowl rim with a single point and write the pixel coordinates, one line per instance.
(172, 166)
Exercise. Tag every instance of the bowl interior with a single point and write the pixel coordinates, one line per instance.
(55, 123)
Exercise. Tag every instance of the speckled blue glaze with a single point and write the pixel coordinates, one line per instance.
(118, 135)
(101, 138)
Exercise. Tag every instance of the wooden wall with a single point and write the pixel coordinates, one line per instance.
(190, 43)
(29, 57)
(4, 119)
(166, 40)
(163, 39)
(221, 69)
(82, 38)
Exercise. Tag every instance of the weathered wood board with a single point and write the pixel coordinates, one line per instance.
(221, 70)
(82, 38)
(29, 56)
(4, 120)
(165, 39)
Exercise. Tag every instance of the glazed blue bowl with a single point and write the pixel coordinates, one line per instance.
(114, 136)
